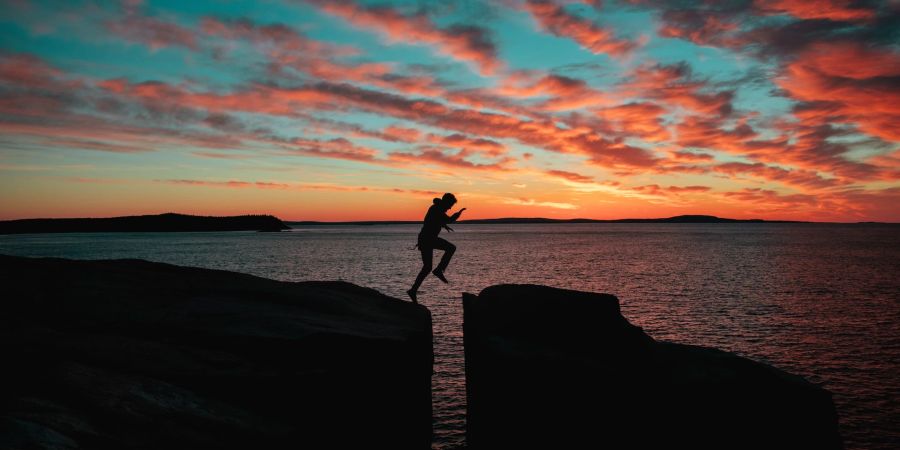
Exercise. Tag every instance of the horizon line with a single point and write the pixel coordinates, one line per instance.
(575, 219)
(463, 221)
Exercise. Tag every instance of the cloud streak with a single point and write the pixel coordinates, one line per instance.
(467, 43)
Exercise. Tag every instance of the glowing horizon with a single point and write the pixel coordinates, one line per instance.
(349, 110)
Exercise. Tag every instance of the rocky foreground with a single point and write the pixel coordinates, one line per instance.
(133, 354)
(553, 368)
(130, 354)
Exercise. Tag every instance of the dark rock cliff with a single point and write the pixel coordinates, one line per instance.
(553, 368)
(133, 354)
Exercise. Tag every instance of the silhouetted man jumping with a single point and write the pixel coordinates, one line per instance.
(435, 219)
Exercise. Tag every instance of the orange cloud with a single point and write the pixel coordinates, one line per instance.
(855, 84)
(641, 119)
(238, 184)
(672, 85)
(683, 155)
(544, 133)
(564, 92)
(402, 134)
(810, 150)
(469, 144)
(339, 148)
(699, 27)
(276, 38)
(571, 176)
(695, 131)
(533, 202)
(428, 155)
(487, 99)
(683, 189)
(795, 177)
(462, 42)
(655, 189)
(285, 48)
(228, 184)
(837, 10)
(554, 19)
(767, 196)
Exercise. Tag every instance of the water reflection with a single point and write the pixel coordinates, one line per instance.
(818, 300)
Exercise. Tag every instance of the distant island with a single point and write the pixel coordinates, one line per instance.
(171, 222)
(168, 222)
(515, 220)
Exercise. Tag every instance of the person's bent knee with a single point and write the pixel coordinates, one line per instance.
(451, 248)
(426, 266)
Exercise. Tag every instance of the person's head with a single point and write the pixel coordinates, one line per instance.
(446, 202)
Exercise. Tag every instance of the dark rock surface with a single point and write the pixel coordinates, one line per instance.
(553, 368)
(132, 354)
(168, 222)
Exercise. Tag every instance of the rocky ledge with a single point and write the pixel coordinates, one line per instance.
(553, 368)
(133, 354)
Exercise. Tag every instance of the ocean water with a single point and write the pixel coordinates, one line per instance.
(818, 300)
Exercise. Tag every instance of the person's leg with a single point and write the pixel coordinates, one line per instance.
(448, 249)
(427, 257)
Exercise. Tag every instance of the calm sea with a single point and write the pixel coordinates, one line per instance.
(819, 300)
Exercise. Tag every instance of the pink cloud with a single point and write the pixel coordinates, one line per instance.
(24, 70)
(554, 19)
(437, 156)
(462, 42)
(469, 144)
(152, 32)
(402, 134)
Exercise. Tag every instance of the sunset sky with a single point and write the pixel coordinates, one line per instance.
(350, 110)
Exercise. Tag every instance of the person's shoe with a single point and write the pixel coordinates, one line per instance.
(412, 294)
(440, 274)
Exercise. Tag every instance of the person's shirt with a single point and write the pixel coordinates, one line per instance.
(435, 219)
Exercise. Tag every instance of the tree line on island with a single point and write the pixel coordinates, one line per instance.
(157, 223)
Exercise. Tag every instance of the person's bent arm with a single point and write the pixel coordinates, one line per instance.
(455, 216)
